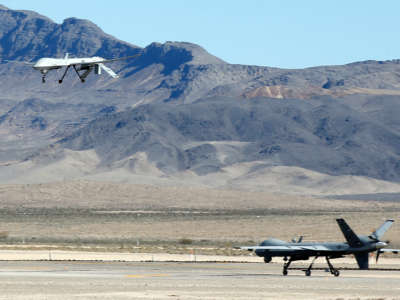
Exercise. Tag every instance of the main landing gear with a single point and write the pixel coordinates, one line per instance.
(286, 266)
(65, 73)
(307, 271)
(82, 77)
(333, 271)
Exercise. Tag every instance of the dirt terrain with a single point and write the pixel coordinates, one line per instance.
(105, 280)
(142, 218)
(122, 222)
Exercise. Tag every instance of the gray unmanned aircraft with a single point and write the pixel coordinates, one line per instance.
(358, 245)
(85, 64)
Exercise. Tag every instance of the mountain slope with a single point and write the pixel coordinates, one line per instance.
(178, 114)
(26, 35)
(173, 71)
(325, 136)
(319, 146)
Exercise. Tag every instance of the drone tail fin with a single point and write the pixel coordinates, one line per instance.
(108, 70)
(382, 229)
(362, 260)
(352, 239)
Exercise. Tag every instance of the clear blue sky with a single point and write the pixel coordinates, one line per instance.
(279, 33)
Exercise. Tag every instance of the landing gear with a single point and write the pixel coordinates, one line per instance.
(286, 267)
(44, 72)
(65, 73)
(333, 271)
(308, 270)
(87, 70)
(81, 77)
(267, 259)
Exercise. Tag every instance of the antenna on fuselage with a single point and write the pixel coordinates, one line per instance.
(298, 241)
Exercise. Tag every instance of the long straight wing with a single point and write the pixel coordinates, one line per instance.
(282, 248)
(29, 63)
(270, 248)
(121, 58)
(86, 61)
(395, 251)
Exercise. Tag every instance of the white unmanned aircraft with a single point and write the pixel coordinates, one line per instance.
(85, 64)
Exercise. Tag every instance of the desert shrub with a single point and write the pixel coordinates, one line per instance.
(3, 235)
(185, 241)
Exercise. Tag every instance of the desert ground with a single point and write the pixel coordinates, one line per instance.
(168, 280)
(143, 218)
(90, 240)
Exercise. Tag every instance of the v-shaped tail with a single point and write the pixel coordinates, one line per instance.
(352, 239)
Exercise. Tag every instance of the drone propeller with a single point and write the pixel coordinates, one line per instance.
(379, 251)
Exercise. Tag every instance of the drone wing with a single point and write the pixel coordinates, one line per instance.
(319, 248)
(121, 58)
(395, 251)
(19, 61)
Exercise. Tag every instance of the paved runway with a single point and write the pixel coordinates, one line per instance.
(155, 280)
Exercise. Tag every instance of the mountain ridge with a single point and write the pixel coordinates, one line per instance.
(180, 114)
(27, 35)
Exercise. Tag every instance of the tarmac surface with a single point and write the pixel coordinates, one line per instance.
(187, 280)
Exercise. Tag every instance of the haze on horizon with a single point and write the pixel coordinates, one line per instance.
(285, 34)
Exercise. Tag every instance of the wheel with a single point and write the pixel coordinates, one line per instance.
(284, 272)
(308, 272)
(267, 259)
(336, 273)
(60, 81)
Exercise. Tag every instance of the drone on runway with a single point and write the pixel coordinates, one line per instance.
(358, 245)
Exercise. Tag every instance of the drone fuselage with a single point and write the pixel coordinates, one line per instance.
(46, 63)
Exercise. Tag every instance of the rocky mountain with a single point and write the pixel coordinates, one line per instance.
(26, 36)
(33, 123)
(327, 137)
(179, 115)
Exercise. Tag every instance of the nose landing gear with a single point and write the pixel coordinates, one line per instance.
(44, 72)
